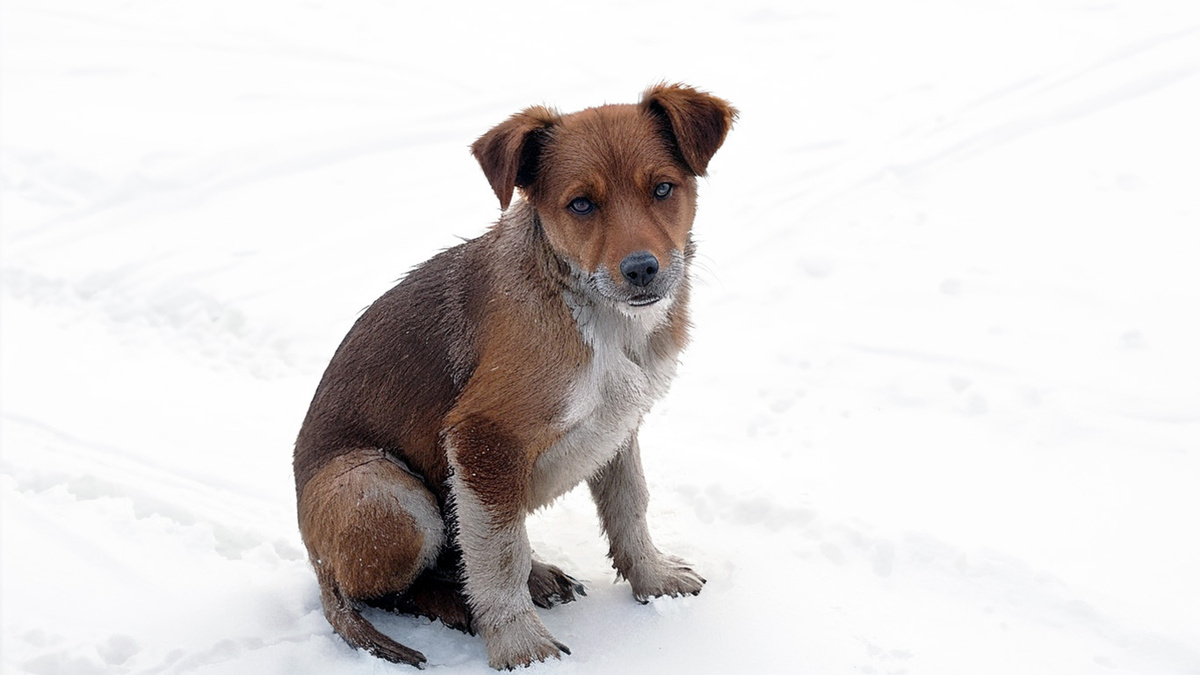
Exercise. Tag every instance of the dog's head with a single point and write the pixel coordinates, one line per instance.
(614, 186)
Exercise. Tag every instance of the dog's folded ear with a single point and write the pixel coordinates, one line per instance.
(509, 152)
(696, 122)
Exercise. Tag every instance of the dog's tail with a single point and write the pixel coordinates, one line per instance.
(354, 628)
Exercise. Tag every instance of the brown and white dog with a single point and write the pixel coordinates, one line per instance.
(506, 370)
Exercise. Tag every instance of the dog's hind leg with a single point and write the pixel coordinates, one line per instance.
(371, 528)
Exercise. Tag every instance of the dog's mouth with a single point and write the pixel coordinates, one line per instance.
(644, 299)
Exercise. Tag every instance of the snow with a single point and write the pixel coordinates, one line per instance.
(942, 409)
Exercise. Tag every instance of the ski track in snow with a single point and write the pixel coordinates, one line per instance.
(942, 409)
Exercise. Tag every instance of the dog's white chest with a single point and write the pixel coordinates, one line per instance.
(607, 401)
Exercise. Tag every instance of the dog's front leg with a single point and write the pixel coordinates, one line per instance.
(619, 490)
(488, 486)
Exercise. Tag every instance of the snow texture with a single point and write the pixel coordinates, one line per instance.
(941, 413)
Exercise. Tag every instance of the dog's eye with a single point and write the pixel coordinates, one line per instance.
(581, 206)
(663, 190)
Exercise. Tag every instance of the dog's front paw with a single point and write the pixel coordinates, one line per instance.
(520, 642)
(664, 575)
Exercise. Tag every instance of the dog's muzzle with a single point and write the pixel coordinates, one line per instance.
(644, 281)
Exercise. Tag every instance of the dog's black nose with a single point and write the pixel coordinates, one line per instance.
(639, 268)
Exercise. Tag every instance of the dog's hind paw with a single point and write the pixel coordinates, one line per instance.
(550, 586)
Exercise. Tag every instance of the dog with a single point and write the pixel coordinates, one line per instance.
(503, 372)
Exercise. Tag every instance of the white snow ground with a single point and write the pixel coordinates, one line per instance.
(942, 409)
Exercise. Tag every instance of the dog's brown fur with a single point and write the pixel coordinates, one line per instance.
(504, 371)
